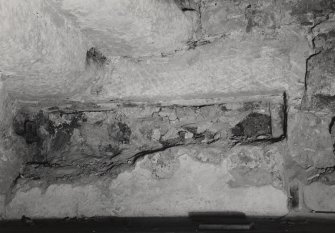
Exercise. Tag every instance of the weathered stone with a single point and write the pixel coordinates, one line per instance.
(256, 166)
(157, 133)
(253, 126)
(320, 86)
(221, 17)
(155, 36)
(173, 184)
(309, 12)
(320, 74)
(310, 141)
(122, 28)
(320, 197)
(12, 147)
(278, 120)
(94, 56)
(44, 41)
(109, 142)
(3, 96)
(2, 206)
(250, 62)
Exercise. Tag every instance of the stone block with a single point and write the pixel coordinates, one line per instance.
(320, 197)
(172, 183)
(256, 166)
(310, 141)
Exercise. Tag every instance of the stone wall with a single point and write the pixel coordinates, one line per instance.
(211, 106)
(88, 160)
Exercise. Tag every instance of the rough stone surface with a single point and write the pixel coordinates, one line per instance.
(3, 96)
(168, 144)
(320, 70)
(256, 166)
(2, 207)
(225, 17)
(153, 48)
(209, 69)
(78, 143)
(311, 143)
(180, 180)
(38, 40)
(320, 197)
(12, 148)
(122, 28)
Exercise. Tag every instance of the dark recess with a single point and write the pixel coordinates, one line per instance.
(94, 56)
(254, 125)
(294, 197)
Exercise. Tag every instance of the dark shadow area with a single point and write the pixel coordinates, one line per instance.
(331, 125)
(196, 222)
(94, 56)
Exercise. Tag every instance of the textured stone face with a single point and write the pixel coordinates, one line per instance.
(311, 142)
(178, 182)
(12, 148)
(256, 166)
(117, 108)
(191, 158)
(122, 28)
(76, 143)
(152, 48)
(235, 67)
(2, 206)
(320, 197)
(38, 40)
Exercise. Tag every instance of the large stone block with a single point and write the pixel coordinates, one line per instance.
(320, 85)
(257, 166)
(125, 28)
(320, 197)
(209, 69)
(310, 140)
(170, 183)
(38, 39)
(320, 73)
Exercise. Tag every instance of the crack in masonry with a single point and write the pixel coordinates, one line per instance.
(131, 162)
(10, 193)
(320, 174)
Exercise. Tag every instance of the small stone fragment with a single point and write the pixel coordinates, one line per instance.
(156, 135)
(188, 135)
(120, 132)
(173, 116)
